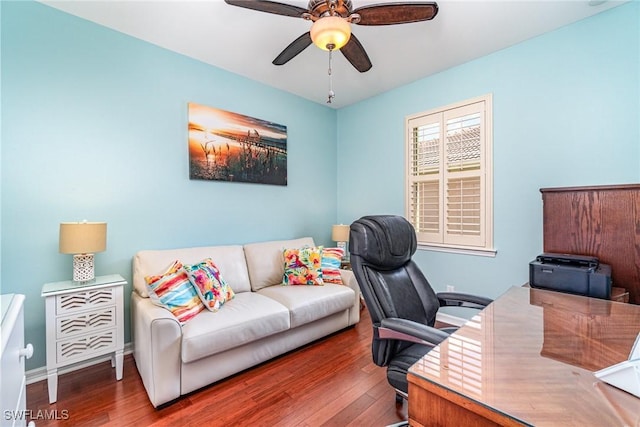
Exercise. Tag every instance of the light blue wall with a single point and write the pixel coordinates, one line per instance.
(95, 127)
(0, 149)
(566, 111)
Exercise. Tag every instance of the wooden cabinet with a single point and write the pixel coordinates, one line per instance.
(602, 221)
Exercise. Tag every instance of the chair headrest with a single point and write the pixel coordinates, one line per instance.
(385, 241)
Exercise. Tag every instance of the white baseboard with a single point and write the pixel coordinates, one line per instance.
(450, 320)
(39, 374)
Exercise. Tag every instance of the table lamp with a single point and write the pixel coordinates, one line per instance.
(83, 239)
(340, 235)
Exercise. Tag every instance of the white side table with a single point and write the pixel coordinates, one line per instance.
(84, 320)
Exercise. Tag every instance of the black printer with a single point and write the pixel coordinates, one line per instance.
(575, 274)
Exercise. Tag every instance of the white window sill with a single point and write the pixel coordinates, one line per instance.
(458, 250)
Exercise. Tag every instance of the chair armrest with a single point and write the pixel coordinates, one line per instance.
(407, 330)
(456, 299)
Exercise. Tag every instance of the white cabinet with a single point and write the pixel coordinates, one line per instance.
(84, 320)
(14, 353)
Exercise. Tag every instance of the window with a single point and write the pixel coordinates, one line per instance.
(449, 176)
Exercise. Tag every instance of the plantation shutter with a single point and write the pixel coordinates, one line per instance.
(446, 176)
(463, 175)
(425, 172)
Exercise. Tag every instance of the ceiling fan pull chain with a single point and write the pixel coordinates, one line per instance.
(331, 93)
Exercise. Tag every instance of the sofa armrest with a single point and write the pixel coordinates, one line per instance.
(157, 340)
(349, 279)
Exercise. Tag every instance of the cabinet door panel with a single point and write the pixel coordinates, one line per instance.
(87, 300)
(601, 221)
(85, 322)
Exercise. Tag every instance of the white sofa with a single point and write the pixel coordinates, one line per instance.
(264, 320)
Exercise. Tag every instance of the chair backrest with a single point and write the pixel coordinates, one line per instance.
(392, 285)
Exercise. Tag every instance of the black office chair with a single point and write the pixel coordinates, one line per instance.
(401, 302)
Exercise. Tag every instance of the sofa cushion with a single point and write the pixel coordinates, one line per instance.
(265, 261)
(209, 284)
(303, 266)
(331, 260)
(247, 317)
(229, 259)
(309, 303)
(172, 290)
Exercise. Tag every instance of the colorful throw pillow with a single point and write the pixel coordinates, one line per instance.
(173, 291)
(209, 284)
(331, 259)
(303, 266)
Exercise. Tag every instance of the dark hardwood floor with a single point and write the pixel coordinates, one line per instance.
(331, 382)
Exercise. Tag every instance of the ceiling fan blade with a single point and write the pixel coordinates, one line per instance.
(396, 13)
(355, 53)
(269, 7)
(296, 46)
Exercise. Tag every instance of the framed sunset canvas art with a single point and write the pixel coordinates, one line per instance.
(227, 146)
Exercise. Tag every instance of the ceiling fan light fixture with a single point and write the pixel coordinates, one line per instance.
(330, 32)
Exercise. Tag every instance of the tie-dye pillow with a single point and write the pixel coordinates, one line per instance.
(303, 266)
(209, 284)
(173, 291)
(331, 259)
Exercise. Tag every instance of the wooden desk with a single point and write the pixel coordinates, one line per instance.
(528, 359)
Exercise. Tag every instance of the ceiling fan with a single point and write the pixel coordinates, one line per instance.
(331, 28)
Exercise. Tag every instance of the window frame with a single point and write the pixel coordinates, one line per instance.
(436, 241)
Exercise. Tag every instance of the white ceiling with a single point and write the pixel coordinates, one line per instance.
(245, 42)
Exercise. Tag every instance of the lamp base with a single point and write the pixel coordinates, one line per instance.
(83, 268)
(343, 246)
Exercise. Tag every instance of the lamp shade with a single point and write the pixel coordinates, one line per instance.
(340, 233)
(83, 237)
(330, 32)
